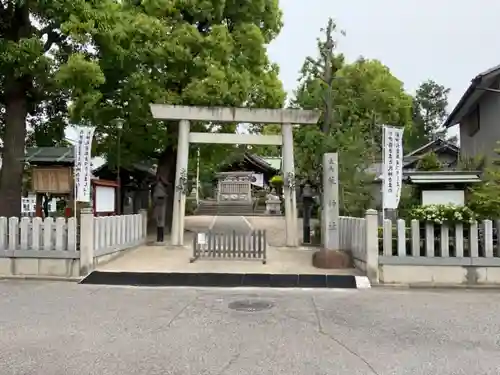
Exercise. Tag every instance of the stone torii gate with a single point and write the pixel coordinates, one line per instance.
(285, 117)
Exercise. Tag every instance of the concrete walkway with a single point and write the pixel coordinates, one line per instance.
(166, 258)
(175, 259)
(228, 224)
(275, 228)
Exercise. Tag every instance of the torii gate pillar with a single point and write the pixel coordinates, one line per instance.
(181, 179)
(289, 187)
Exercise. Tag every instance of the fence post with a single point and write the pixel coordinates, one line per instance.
(371, 245)
(144, 222)
(86, 241)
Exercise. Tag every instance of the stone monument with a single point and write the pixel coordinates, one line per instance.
(330, 212)
(330, 255)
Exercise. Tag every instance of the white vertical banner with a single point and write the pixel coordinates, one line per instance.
(398, 168)
(83, 166)
(392, 167)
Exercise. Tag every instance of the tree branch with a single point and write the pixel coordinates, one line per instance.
(52, 37)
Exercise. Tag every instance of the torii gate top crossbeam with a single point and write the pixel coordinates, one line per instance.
(239, 115)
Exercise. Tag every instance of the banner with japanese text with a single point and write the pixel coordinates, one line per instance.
(392, 166)
(83, 165)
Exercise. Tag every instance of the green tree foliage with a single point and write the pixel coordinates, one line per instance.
(410, 198)
(209, 53)
(483, 198)
(112, 59)
(42, 49)
(361, 96)
(429, 162)
(268, 129)
(472, 163)
(429, 112)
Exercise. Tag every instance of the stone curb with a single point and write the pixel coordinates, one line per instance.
(434, 286)
(42, 278)
(228, 280)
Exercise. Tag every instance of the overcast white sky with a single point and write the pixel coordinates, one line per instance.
(449, 41)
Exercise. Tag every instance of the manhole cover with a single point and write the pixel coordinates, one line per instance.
(250, 306)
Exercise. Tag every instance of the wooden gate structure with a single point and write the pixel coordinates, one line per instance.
(250, 246)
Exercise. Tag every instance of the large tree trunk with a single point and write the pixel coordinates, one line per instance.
(16, 110)
(11, 174)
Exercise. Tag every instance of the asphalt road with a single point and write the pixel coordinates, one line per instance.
(64, 328)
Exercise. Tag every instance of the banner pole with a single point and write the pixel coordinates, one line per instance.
(75, 163)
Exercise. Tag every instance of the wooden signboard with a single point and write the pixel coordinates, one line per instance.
(104, 197)
(54, 180)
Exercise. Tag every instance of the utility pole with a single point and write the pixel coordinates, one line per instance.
(119, 126)
(327, 52)
(326, 74)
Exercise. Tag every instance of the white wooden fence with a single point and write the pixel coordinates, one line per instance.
(352, 237)
(37, 238)
(429, 243)
(64, 247)
(115, 233)
(359, 236)
(423, 253)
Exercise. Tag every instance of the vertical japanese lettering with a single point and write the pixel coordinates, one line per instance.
(83, 164)
(392, 166)
(330, 199)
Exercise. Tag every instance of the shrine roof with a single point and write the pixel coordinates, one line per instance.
(46, 155)
(442, 177)
(141, 167)
(273, 161)
(249, 162)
